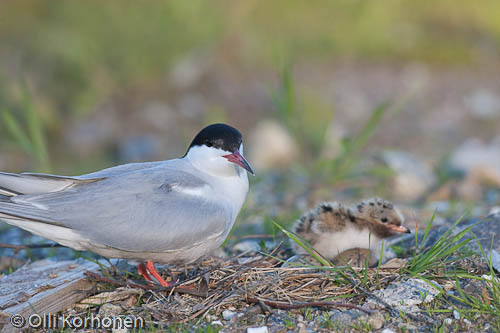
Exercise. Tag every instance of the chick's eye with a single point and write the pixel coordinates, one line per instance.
(384, 219)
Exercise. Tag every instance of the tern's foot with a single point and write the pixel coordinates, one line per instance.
(141, 268)
(150, 269)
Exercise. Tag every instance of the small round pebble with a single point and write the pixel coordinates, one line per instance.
(262, 329)
(376, 321)
(388, 330)
(456, 314)
(448, 321)
(228, 314)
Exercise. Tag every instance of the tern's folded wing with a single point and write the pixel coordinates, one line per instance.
(147, 210)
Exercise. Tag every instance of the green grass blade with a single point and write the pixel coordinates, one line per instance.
(17, 133)
(344, 163)
(35, 131)
(304, 245)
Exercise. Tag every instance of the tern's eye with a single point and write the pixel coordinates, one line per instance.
(384, 219)
(208, 144)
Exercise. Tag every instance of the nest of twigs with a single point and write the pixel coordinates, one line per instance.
(215, 284)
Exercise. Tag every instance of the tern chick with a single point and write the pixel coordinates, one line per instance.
(332, 228)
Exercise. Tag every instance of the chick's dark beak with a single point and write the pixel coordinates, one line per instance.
(238, 159)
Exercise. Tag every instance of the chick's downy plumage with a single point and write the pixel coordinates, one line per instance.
(332, 228)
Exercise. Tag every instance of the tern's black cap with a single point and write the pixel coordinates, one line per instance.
(220, 136)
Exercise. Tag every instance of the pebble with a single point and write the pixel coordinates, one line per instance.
(262, 329)
(456, 314)
(467, 322)
(228, 314)
(406, 295)
(247, 246)
(217, 322)
(119, 330)
(376, 321)
(388, 330)
(271, 146)
(483, 104)
(109, 310)
(448, 321)
(412, 177)
(483, 159)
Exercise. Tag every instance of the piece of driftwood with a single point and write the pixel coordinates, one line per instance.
(43, 287)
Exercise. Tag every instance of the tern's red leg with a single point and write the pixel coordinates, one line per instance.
(150, 266)
(141, 268)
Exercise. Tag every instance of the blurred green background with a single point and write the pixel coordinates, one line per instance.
(89, 84)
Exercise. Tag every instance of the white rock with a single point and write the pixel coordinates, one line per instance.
(271, 146)
(456, 314)
(119, 330)
(228, 314)
(480, 159)
(262, 329)
(448, 321)
(247, 246)
(484, 104)
(388, 330)
(217, 322)
(412, 179)
(494, 211)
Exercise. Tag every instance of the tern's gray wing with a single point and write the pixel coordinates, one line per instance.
(143, 210)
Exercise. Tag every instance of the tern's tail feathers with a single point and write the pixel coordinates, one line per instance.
(36, 220)
(12, 184)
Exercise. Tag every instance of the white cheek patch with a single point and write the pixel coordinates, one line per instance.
(201, 191)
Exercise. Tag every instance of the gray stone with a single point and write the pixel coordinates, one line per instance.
(406, 295)
(228, 314)
(483, 104)
(109, 310)
(277, 320)
(347, 318)
(412, 177)
(476, 157)
(486, 230)
(376, 320)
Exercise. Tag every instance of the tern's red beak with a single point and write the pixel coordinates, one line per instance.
(238, 159)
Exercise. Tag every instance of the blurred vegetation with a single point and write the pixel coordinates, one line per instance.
(310, 130)
(73, 55)
(27, 130)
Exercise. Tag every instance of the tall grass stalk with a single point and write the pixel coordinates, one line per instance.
(303, 243)
(345, 161)
(27, 131)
